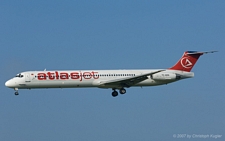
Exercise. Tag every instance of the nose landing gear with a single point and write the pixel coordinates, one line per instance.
(16, 91)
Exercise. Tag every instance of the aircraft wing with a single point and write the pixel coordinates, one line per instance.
(128, 81)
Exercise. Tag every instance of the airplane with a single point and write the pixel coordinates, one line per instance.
(113, 79)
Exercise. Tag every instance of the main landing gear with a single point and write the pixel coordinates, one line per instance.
(115, 93)
(16, 91)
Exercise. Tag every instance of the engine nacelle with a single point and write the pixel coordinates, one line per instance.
(165, 76)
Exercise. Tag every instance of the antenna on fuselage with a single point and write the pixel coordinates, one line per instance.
(44, 69)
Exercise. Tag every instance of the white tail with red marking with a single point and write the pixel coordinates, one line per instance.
(188, 60)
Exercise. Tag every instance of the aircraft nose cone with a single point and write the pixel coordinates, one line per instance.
(9, 83)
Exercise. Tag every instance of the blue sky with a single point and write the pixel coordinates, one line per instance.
(77, 35)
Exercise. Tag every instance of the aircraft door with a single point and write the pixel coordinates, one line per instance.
(27, 77)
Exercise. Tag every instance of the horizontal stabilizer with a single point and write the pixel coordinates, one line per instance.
(201, 53)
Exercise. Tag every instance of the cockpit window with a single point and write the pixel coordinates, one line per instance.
(19, 75)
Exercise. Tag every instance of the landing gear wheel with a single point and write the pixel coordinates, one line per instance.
(114, 93)
(16, 93)
(122, 91)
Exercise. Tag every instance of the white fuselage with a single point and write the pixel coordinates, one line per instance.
(114, 79)
(91, 78)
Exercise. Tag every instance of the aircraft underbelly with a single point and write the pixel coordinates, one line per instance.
(57, 84)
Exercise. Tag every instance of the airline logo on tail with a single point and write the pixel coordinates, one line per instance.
(186, 63)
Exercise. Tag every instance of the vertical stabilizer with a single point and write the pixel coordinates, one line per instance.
(188, 60)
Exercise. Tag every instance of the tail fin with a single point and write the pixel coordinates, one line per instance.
(188, 60)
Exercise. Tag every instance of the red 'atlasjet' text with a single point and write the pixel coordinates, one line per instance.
(65, 75)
